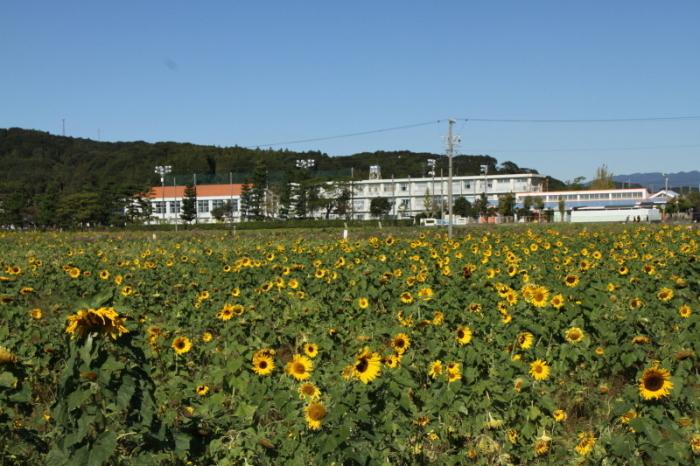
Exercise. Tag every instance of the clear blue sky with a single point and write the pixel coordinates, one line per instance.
(251, 73)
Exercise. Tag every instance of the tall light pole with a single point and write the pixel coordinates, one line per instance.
(163, 170)
(451, 142)
(485, 172)
(431, 172)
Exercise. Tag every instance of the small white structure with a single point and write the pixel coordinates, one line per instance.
(619, 215)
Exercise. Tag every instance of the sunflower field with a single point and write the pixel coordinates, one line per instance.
(514, 345)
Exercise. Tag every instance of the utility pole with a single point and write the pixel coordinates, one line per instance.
(451, 141)
(63, 126)
(163, 170)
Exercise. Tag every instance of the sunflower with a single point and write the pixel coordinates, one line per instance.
(181, 345)
(542, 444)
(314, 413)
(665, 294)
(36, 313)
(74, 272)
(454, 372)
(571, 280)
(435, 369)
(300, 367)
(6, 356)
(525, 340)
(207, 337)
(685, 311)
(104, 275)
(309, 391)
(363, 303)
(628, 416)
(623, 270)
(574, 335)
(25, 290)
(559, 415)
(695, 444)
(392, 361)
(463, 335)
(655, 383)
(406, 297)
(127, 291)
(202, 390)
(635, 303)
(557, 301)
(226, 312)
(400, 343)
(539, 370)
(103, 320)
(540, 296)
(367, 366)
(586, 443)
(263, 364)
(311, 350)
(641, 340)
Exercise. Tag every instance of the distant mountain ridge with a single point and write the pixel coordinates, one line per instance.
(657, 180)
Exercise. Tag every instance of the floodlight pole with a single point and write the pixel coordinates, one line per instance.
(450, 151)
(163, 170)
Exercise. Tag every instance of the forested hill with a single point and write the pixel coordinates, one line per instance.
(38, 167)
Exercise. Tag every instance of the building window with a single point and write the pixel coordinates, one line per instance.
(216, 203)
(388, 187)
(234, 205)
(174, 207)
(490, 184)
(203, 206)
(403, 187)
(159, 207)
(358, 204)
(467, 185)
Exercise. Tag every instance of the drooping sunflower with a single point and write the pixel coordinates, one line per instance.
(542, 444)
(525, 340)
(309, 391)
(655, 383)
(314, 413)
(463, 335)
(263, 364)
(400, 343)
(406, 297)
(202, 390)
(574, 335)
(454, 372)
(539, 370)
(367, 366)
(311, 349)
(104, 320)
(559, 415)
(586, 443)
(300, 367)
(6, 356)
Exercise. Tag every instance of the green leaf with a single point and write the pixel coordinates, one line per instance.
(102, 449)
(125, 392)
(8, 380)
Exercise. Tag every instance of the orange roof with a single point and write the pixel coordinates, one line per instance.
(203, 190)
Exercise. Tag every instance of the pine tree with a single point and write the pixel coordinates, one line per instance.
(246, 200)
(189, 204)
(257, 201)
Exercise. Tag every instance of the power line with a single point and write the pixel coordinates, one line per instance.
(480, 120)
(581, 120)
(347, 135)
(597, 149)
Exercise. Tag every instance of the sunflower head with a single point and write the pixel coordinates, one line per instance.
(463, 335)
(400, 343)
(309, 391)
(181, 345)
(367, 366)
(300, 367)
(263, 364)
(311, 350)
(574, 335)
(655, 383)
(539, 370)
(314, 414)
(104, 320)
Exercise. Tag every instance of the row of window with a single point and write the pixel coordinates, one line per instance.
(203, 206)
(591, 196)
(421, 187)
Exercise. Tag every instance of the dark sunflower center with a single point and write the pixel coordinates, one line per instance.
(400, 343)
(299, 368)
(362, 365)
(653, 382)
(262, 364)
(538, 369)
(460, 334)
(180, 345)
